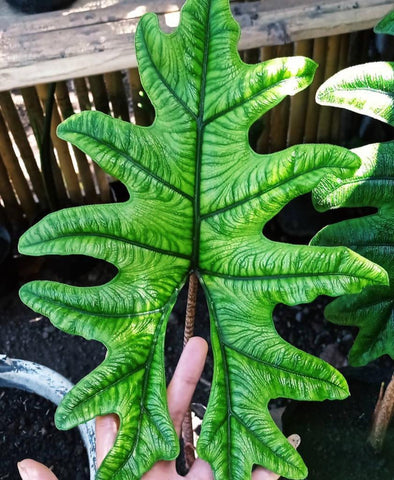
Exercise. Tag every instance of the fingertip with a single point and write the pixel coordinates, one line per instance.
(294, 440)
(198, 343)
(31, 470)
(107, 427)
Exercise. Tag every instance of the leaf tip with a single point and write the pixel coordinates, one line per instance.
(61, 419)
(25, 293)
(24, 244)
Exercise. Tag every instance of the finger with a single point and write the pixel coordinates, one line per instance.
(263, 474)
(107, 428)
(185, 379)
(200, 470)
(32, 470)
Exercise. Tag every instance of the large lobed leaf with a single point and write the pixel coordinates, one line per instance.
(199, 199)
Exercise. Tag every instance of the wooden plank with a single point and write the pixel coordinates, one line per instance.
(93, 37)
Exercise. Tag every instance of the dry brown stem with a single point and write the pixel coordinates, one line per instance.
(187, 426)
(382, 416)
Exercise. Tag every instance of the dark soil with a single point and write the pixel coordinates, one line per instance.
(334, 434)
(26, 421)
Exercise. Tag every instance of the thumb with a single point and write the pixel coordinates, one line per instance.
(32, 470)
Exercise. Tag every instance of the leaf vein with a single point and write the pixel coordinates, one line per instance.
(279, 367)
(259, 193)
(117, 238)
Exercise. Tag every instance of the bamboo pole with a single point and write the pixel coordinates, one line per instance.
(82, 94)
(15, 126)
(251, 56)
(11, 206)
(36, 118)
(66, 109)
(141, 105)
(15, 173)
(312, 116)
(99, 92)
(100, 97)
(331, 67)
(262, 144)
(117, 95)
(280, 113)
(336, 123)
(299, 102)
(65, 161)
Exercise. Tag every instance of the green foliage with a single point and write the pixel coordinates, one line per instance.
(386, 25)
(371, 236)
(366, 89)
(199, 199)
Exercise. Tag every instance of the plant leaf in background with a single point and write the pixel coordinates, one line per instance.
(386, 25)
(366, 89)
(372, 236)
(199, 199)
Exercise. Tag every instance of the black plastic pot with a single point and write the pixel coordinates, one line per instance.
(39, 6)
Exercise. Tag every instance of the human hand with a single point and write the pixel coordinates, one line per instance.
(179, 395)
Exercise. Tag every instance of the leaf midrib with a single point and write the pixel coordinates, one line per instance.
(344, 88)
(199, 144)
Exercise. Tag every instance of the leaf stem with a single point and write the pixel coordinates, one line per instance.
(382, 416)
(187, 426)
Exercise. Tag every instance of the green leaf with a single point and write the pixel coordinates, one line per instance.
(366, 89)
(199, 199)
(386, 25)
(371, 236)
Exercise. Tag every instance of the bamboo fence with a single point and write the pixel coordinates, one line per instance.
(26, 193)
